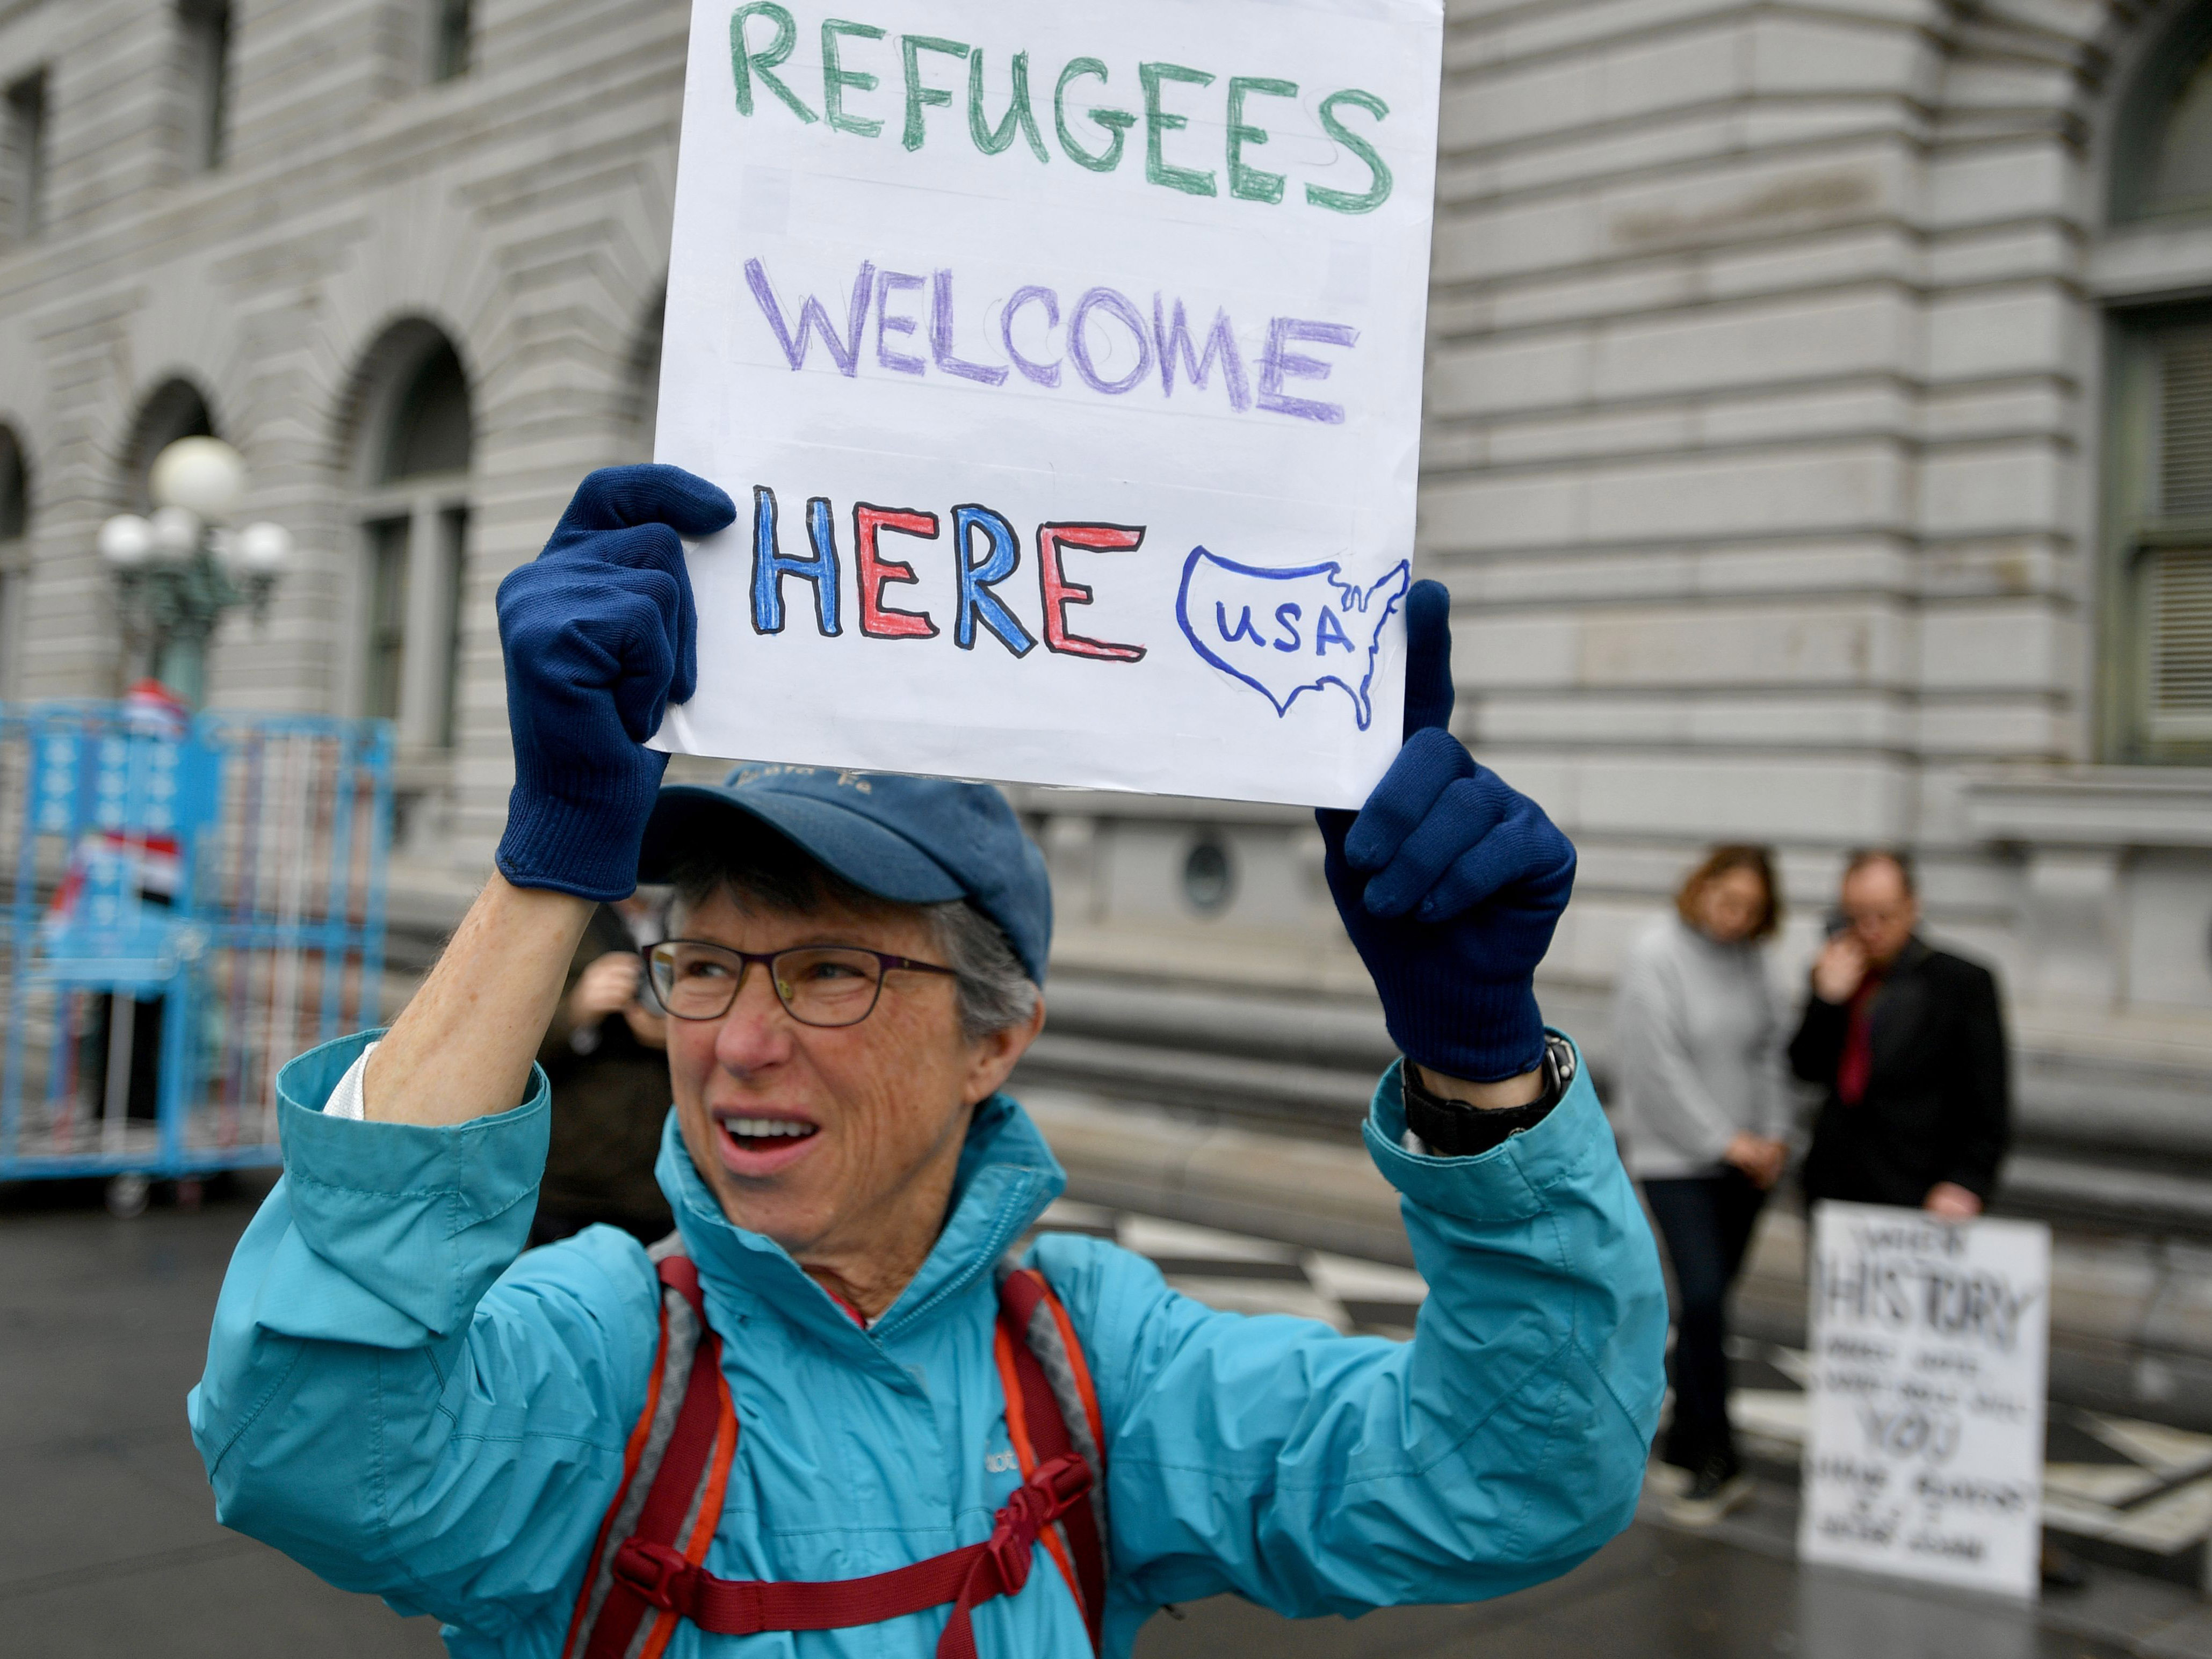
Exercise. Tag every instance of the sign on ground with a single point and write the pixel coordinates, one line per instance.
(1928, 1346)
(1065, 364)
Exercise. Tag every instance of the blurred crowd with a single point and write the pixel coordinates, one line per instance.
(1902, 1042)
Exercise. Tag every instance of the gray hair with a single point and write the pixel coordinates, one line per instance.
(762, 870)
(996, 993)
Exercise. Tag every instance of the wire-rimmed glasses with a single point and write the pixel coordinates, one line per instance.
(824, 985)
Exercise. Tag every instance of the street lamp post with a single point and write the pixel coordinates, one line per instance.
(180, 570)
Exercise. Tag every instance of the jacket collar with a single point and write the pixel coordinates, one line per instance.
(1007, 1177)
(1914, 952)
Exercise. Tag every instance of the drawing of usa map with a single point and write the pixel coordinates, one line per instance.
(1285, 632)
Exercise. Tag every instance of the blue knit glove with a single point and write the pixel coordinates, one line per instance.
(600, 637)
(1449, 882)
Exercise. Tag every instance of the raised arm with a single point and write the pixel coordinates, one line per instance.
(600, 636)
(1450, 884)
(390, 1397)
(1504, 1443)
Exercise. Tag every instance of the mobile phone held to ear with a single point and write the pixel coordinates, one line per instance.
(1836, 923)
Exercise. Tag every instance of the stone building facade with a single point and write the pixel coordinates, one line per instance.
(1819, 447)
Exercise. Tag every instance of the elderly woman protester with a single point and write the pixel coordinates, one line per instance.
(1705, 1108)
(826, 1406)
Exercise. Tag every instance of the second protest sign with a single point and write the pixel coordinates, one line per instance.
(1928, 1343)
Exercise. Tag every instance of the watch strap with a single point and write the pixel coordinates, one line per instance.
(1453, 1128)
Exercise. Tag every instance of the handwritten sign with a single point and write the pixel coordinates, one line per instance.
(1927, 1348)
(1065, 363)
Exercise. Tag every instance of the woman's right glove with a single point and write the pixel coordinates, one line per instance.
(600, 636)
(1450, 882)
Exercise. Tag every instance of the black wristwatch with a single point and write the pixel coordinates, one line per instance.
(1452, 1128)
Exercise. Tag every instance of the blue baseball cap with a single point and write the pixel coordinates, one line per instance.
(912, 840)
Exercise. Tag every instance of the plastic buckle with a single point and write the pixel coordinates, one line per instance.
(1055, 1488)
(1064, 1480)
(656, 1572)
(1012, 1547)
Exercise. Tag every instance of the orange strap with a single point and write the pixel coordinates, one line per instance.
(653, 1578)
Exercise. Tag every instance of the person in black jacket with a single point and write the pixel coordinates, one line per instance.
(1910, 1043)
(605, 1059)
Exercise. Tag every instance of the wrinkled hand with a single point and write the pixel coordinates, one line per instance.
(607, 987)
(1761, 1159)
(1450, 883)
(1839, 969)
(1952, 1202)
(600, 636)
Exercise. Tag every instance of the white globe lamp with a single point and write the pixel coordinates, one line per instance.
(264, 548)
(126, 542)
(204, 476)
(176, 532)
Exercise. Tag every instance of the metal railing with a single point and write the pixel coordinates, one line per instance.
(184, 906)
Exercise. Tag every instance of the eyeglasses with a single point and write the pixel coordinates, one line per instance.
(825, 984)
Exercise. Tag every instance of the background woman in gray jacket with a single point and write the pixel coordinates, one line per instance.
(1704, 1107)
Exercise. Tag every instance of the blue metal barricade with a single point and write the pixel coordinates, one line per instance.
(184, 906)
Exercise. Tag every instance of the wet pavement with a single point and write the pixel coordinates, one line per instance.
(1654, 1595)
(108, 1543)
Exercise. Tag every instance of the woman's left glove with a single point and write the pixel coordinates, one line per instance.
(1449, 882)
(600, 636)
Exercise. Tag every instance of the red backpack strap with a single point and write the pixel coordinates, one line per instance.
(966, 1578)
(1052, 1412)
(675, 1475)
(647, 1564)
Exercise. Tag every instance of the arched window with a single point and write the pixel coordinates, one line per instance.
(175, 411)
(2156, 594)
(14, 560)
(176, 408)
(2162, 141)
(415, 442)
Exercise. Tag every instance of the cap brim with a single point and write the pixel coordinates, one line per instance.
(688, 816)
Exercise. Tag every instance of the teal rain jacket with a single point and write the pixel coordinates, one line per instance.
(396, 1401)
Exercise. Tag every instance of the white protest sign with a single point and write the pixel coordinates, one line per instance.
(1065, 364)
(1927, 1348)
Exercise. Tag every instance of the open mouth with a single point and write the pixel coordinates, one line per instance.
(767, 1135)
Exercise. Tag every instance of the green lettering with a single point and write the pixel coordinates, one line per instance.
(1158, 123)
(1019, 113)
(745, 63)
(1248, 184)
(918, 97)
(1339, 201)
(1115, 121)
(835, 78)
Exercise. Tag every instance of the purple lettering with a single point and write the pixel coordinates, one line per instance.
(1174, 339)
(888, 284)
(1043, 374)
(1078, 340)
(844, 352)
(940, 338)
(1280, 364)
